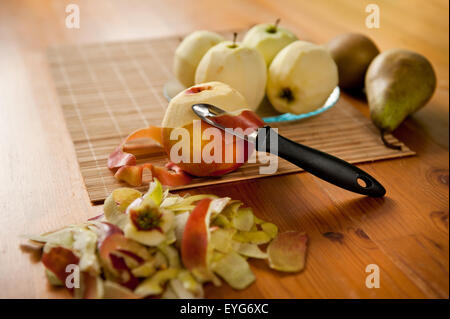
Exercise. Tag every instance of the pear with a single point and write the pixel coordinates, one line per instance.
(268, 39)
(398, 83)
(301, 78)
(189, 53)
(352, 53)
(241, 67)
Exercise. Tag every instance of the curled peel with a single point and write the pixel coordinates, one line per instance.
(194, 246)
(196, 236)
(287, 251)
(123, 160)
(120, 157)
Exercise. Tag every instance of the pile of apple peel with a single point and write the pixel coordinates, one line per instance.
(162, 245)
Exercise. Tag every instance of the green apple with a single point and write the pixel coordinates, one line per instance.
(268, 39)
(301, 78)
(241, 67)
(189, 53)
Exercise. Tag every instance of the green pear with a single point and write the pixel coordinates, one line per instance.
(398, 83)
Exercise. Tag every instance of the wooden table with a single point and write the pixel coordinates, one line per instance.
(405, 234)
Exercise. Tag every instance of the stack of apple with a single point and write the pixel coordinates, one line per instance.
(297, 76)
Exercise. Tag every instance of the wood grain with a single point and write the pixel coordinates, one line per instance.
(108, 90)
(405, 234)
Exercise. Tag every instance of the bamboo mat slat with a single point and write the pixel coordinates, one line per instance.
(107, 90)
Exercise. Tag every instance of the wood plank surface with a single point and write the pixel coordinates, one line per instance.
(405, 233)
(108, 90)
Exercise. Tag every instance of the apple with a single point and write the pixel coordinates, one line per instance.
(241, 67)
(179, 112)
(268, 39)
(189, 53)
(301, 78)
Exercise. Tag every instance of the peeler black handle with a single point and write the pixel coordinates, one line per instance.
(320, 164)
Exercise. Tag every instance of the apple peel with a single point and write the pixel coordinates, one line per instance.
(123, 160)
(287, 251)
(234, 269)
(153, 285)
(206, 238)
(249, 250)
(117, 203)
(194, 246)
(56, 259)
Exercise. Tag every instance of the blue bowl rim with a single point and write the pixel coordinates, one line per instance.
(289, 117)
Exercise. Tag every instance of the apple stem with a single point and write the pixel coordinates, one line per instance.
(277, 22)
(234, 37)
(274, 27)
(387, 144)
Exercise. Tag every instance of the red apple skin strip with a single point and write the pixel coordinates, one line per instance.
(132, 175)
(119, 264)
(119, 158)
(287, 251)
(57, 259)
(124, 164)
(194, 246)
(246, 119)
(171, 175)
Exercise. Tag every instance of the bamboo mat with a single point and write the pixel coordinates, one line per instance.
(108, 90)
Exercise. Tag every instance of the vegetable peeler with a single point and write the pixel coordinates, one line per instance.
(323, 165)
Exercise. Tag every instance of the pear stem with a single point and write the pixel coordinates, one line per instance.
(387, 144)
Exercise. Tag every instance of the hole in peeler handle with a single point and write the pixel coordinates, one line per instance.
(363, 181)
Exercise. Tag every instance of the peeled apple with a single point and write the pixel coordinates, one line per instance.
(301, 78)
(241, 67)
(189, 53)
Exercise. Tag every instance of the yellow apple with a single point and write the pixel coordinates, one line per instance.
(241, 67)
(189, 53)
(301, 78)
(268, 39)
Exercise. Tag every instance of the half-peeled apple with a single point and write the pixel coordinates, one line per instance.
(192, 146)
